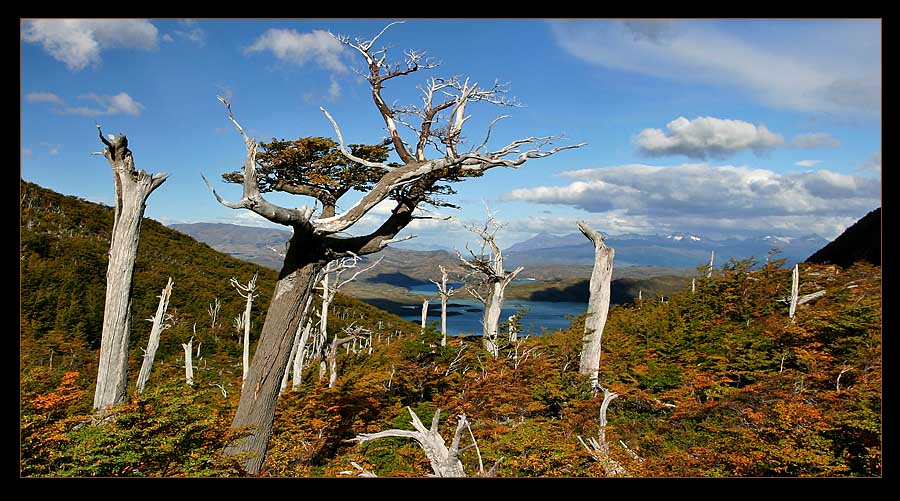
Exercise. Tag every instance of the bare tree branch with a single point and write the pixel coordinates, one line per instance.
(252, 199)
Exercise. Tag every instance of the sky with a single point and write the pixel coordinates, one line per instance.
(714, 127)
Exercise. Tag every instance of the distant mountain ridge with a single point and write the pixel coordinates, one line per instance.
(679, 250)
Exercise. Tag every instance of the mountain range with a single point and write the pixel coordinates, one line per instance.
(677, 250)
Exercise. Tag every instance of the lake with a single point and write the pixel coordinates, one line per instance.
(464, 313)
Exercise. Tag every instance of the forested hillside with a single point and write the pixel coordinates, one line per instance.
(711, 383)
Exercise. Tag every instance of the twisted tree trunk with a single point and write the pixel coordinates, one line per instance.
(598, 305)
(256, 408)
(133, 188)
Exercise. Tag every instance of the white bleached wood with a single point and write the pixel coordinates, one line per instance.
(712, 256)
(424, 313)
(188, 361)
(488, 268)
(159, 325)
(445, 293)
(132, 189)
(599, 447)
(246, 292)
(598, 304)
(795, 289)
(809, 297)
(298, 360)
(444, 461)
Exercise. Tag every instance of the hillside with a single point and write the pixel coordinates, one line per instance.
(719, 382)
(62, 267)
(860, 242)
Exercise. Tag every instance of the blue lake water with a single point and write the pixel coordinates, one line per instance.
(542, 315)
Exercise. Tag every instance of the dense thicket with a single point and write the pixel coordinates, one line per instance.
(718, 382)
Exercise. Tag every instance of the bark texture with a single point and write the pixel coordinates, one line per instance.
(256, 408)
(159, 325)
(133, 188)
(598, 304)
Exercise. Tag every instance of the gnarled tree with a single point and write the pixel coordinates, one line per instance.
(317, 238)
(133, 188)
(487, 268)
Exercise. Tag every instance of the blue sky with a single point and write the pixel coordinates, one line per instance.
(714, 127)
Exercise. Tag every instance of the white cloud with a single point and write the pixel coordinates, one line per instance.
(78, 42)
(120, 103)
(298, 48)
(798, 65)
(52, 149)
(167, 38)
(815, 140)
(43, 97)
(697, 197)
(706, 137)
(808, 163)
(192, 32)
(27, 153)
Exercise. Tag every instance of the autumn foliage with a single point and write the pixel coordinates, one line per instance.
(715, 383)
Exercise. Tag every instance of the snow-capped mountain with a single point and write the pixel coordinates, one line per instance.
(676, 250)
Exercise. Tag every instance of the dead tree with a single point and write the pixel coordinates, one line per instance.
(795, 290)
(246, 292)
(598, 447)
(795, 298)
(445, 462)
(445, 293)
(299, 357)
(159, 324)
(424, 313)
(492, 279)
(213, 310)
(330, 287)
(598, 304)
(712, 256)
(294, 348)
(133, 188)
(336, 343)
(319, 239)
(188, 361)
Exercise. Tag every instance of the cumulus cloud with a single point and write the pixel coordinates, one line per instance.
(77, 43)
(706, 137)
(43, 97)
(120, 103)
(701, 198)
(815, 140)
(774, 69)
(113, 105)
(299, 48)
(808, 163)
